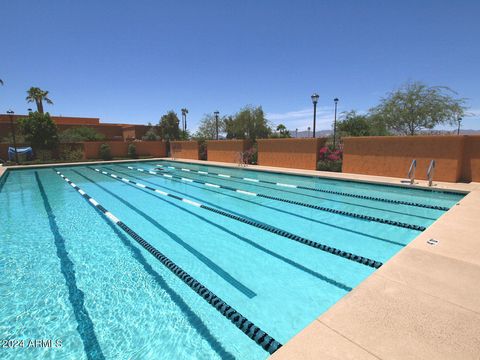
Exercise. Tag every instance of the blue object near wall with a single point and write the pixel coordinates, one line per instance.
(21, 151)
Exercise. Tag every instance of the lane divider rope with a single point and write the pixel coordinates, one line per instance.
(3, 179)
(294, 202)
(267, 342)
(341, 193)
(334, 251)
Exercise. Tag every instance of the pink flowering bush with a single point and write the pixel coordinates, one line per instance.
(250, 156)
(330, 159)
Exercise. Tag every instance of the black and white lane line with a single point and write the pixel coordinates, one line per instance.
(294, 202)
(267, 342)
(214, 267)
(287, 185)
(337, 252)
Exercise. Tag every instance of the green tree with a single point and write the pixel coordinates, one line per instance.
(39, 130)
(354, 124)
(282, 132)
(207, 129)
(80, 134)
(151, 134)
(248, 123)
(184, 120)
(105, 152)
(132, 151)
(168, 127)
(38, 96)
(416, 106)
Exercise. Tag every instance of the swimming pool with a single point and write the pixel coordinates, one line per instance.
(97, 256)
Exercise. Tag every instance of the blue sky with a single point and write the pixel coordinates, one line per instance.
(131, 61)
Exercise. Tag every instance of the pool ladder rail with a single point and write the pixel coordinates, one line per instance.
(430, 172)
(411, 171)
(413, 168)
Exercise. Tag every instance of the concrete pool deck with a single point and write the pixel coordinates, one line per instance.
(424, 303)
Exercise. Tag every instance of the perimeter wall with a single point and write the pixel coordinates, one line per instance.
(290, 153)
(185, 149)
(226, 150)
(120, 148)
(457, 157)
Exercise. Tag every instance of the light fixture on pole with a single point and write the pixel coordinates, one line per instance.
(10, 113)
(216, 124)
(314, 101)
(459, 124)
(308, 128)
(335, 123)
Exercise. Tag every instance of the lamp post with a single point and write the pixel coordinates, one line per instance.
(459, 124)
(216, 123)
(10, 113)
(296, 133)
(335, 123)
(308, 128)
(314, 101)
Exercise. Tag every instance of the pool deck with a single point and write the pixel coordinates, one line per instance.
(424, 303)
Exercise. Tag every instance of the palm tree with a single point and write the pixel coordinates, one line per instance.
(38, 95)
(184, 118)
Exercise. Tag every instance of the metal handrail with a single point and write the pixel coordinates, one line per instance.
(411, 171)
(241, 159)
(430, 172)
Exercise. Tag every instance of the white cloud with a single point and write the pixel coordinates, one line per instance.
(302, 119)
(473, 113)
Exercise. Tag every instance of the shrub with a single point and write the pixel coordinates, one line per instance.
(105, 152)
(330, 159)
(132, 151)
(8, 139)
(251, 155)
(202, 149)
(70, 152)
(151, 135)
(80, 134)
(44, 155)
(39, 130)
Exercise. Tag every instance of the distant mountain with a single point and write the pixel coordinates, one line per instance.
(307, 134)
(325, 133)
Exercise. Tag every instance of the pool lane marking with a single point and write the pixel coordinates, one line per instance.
(341, 200)
(3, 179)
(217, 269)
(267, 342)
(334, 251)
(299, 203)
(265, 205)
(76, 297)
(341, 193)
(247, 241)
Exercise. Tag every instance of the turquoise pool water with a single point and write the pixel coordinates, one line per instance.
(70, 274)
